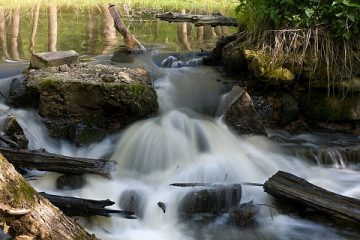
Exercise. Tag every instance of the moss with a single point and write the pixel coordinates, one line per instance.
(261, 66)
(21, 192)
(47, 83)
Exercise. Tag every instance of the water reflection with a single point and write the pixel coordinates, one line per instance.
(91, 31)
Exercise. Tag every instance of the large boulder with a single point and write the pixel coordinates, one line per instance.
(83, 102)
(240, 114)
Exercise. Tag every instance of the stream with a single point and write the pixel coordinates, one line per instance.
(185, 142)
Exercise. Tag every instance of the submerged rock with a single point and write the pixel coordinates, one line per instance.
(240, 114)
(210, 201)
(70, 181)
(132, 201)
(85, 101)
(243, 214)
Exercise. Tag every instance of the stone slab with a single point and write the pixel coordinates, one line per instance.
(52, 59)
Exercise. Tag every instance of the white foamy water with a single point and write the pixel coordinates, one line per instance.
(181, 144)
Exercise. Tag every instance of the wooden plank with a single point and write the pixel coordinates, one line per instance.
(57, 163)
(294, 189)
(199, 20)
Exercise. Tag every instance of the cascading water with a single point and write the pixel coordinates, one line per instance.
(186, 144)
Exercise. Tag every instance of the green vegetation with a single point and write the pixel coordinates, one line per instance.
(320, 37)
(209, 5)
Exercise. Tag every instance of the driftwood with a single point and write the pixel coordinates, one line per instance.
(199, 20)
(57, 163)
(131, 43)
(85, 207)
(25, 212)
(303, 194)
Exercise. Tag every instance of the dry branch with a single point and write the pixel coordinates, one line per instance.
(131, 43)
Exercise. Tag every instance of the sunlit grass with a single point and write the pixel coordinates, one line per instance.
(208, 5)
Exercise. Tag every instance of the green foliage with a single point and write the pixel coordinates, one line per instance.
(340, 17)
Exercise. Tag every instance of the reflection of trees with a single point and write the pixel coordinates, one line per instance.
(208, 32)
(3, 45)
(52, 28)
(14, 34)
(91, 33)
(34, 24)
(108, 31)
(182, 31)
(200, 33)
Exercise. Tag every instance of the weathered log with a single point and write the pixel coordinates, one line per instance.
(303, 194)
(57, 163)
(44, 221)
(72, 206)
(198, 20)
(131, 43)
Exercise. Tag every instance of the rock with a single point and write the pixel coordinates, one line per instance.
(20, 95)
(212, 201)
(243, 214)
(70, 182)
(240, 114)
(51, 59)
(64, 68)
(14, 131)
(132, 201)
(88, 101)
(215, 57)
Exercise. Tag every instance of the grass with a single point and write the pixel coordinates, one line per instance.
(208, 5)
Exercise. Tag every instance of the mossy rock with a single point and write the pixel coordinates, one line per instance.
(260, 64)
(88, 101)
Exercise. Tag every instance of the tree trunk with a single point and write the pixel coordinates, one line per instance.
(305, 195)
(25, 212)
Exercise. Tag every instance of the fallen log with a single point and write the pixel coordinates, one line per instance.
(198, 20)
(26, 212)
(131, 43)
(72, 206)
(305, 195)
(57, 163)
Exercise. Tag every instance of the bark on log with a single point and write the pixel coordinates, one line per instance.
(293, 189)
(44, 221)
(131, 43)
(198, 20)
(57, 163)
(85, 207)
